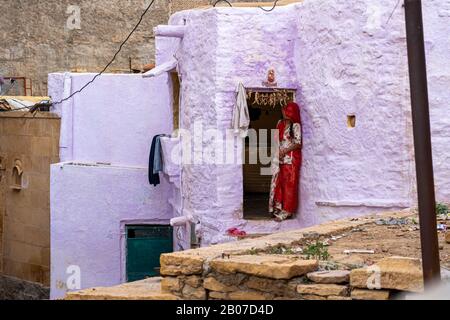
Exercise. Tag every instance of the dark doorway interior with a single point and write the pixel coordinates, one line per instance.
(257, 185)
(265, 111)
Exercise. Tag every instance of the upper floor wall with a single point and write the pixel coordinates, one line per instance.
(114, 120)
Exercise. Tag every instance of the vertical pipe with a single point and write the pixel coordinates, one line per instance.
(422, 141)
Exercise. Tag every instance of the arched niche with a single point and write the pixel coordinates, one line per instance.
(17, 175)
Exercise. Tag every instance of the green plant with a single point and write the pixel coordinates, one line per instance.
(280, 251)
(442, 209)
(252, 252)
(317, 251)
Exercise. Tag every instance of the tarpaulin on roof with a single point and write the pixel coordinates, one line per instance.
(20, 103)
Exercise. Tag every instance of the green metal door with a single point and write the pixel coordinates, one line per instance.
(145, 244)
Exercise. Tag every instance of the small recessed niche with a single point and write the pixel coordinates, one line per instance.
(17, 175)
(351, 121)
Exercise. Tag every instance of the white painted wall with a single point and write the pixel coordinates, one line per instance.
(341, 56)
(345, 58)
(90, 207)
(114, 121)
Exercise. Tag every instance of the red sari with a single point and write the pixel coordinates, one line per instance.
(284, 193)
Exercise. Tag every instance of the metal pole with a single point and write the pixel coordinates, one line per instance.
(422, 142)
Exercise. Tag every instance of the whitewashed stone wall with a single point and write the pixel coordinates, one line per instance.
(345, 58)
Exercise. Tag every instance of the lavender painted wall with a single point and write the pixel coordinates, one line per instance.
(350, 62)
(437, 29)
(344, 59)
(90, 208)
(114, 121)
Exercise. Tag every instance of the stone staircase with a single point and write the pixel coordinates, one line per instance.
(249, 270)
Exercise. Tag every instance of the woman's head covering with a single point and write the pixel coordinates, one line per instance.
(292, 111)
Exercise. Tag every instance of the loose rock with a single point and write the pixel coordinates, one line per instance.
(396, 273)
(323, 290)
(269, 266)
(359, 294)
(330, 277)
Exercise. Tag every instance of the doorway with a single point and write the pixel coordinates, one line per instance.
(176, 87)
(265, 111)
(145, 245)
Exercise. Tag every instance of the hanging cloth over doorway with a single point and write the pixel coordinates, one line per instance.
(241, 115)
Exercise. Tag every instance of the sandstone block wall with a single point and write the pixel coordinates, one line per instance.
(25, 213)
(256, 274)
(41, 37)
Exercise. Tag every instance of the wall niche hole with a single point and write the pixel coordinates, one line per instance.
(17, 173)
(351, 121)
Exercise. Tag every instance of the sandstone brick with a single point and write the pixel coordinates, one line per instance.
(171, 284)
(218, 295)
(323, 290)
(15, 231)
(13, 268)
(45, 257)
(330, 277)
(175, 264)
(191, 293)
(149, 289)
(213, 284)
(278, 287)
(291, 289)
(37, 236)
(248, 295)
(339, 298)
(194, 281)
(269, 266)
(42, 146)
(313, 297)
(447, 237)
(395, 273)
(360, 294)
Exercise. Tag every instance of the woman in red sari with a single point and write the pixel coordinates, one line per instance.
(284, 191)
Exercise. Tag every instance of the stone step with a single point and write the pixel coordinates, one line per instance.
(323, 290)
(149, 289)
(268, 266)
(330, 277)
(395, 273)
(361, 294)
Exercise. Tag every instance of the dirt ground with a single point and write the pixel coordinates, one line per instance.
(386, 241)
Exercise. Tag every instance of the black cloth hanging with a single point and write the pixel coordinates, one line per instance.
(152, 177)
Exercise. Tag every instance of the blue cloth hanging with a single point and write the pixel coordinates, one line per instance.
(155, 165)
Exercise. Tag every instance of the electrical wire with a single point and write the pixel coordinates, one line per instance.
(222, 1)
(262, 8)
(112, 60)
(392, 13)
(104, 69)
(119, 50)
(273, 8)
